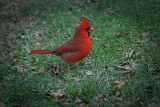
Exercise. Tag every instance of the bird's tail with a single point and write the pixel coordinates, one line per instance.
(46, 51)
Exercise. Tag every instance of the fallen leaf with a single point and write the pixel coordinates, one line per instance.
(144, 34)
(100, 74)
(3, 58)
(57, 95)
(97, 98)
(153, 105)
(21, 69)
(41, 69)
(139, 52)
(134, 65)
(130, 54)
(104, 45)
(115, 82)
(125, 33)
(120, 85)
(9, 43)
(38, 44)
(79, 102)
(33, 67)
(89, 73)
(126, 55)
(117, 34)
(27, 58)
(25, 66)
(127, 77)
(55, 69)
(126, 72)
(124, 67)
(108, 12)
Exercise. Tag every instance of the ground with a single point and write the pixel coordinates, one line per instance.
(122, 68)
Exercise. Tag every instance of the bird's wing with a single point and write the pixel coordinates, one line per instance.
(70, 46)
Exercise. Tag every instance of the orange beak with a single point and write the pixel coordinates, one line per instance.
(91, 29)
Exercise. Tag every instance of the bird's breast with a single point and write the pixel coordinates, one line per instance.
(82, 51)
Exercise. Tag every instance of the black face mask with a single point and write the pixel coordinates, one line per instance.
(88, 31)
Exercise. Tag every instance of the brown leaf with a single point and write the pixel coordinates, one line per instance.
(21, 69)
(33, 67)
(115, 82)
(89, 73)
(127, 77)
(124, 67)
(130, 54)
(41, 69)
(139, 52)
(145, 34)
(38, 44)
(55, 69)
(100, 74)
(25, 66)
(104, 45)
(125, 33)
(108, 12)
(120, 85)
(57, 95)
(9, 43)
(97, 98)
(126, 55)
(79, 102)
(117, 34)
(27, 58)
(3, 58)
(126, 72)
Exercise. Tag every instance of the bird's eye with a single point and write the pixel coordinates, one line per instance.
(88, 29)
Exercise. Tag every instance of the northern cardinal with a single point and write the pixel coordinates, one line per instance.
(75, 49)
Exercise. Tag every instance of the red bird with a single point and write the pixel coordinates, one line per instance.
(75, 49)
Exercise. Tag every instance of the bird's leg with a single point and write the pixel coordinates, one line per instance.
(69, 70)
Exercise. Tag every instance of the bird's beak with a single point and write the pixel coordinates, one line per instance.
(91, 29)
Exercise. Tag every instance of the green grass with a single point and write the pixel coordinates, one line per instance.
(56, 21)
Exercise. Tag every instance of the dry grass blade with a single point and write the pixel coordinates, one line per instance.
(126, 72)
(120, 85)
(57, 95)
(139, 52)
(124, 67)
(130, 54)
(126, 55)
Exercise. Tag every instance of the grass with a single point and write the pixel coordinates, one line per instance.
(56, 22)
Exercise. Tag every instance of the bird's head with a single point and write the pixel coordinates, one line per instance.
(84, 29)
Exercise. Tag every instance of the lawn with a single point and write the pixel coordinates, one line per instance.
(122, 68)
